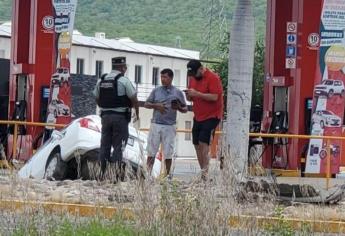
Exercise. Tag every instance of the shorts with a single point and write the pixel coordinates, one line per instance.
(161, 134)
(203, 130)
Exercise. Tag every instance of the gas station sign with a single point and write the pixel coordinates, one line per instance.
(59, 107)
(290, 63)
(290, 51)
(329, 93)
(314, 40)
(291, 39)
(291, 42)
(291, 27)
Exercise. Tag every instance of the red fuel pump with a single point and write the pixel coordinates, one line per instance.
(291, 67)
(41, 41)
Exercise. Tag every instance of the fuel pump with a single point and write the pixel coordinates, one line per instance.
(24, 138)
(40, 52)
(279, 125)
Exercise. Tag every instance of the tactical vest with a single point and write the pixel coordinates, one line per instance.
(108, 96)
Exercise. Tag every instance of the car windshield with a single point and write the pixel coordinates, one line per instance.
(326, 113)
(327, 82)
(60, 71)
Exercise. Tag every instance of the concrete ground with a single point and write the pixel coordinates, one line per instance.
(320, 183)
(186, 169)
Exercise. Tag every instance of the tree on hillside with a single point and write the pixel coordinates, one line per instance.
(241, 63)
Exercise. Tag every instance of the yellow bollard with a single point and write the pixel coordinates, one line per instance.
(328, 171)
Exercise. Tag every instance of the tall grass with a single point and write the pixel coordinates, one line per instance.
(161, 207)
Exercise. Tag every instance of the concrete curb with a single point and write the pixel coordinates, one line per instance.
(82, 210)
(316, 226)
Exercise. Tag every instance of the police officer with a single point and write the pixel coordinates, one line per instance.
(115, 96)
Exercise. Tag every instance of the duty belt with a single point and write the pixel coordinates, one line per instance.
(113, 112)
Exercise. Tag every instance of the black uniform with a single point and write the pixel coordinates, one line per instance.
(114, 123)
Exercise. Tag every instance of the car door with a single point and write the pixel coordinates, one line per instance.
(337, 87)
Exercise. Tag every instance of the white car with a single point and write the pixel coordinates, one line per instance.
(58, 108)
(326, 118)
(57, 158)
(329, 88)
(61, 76)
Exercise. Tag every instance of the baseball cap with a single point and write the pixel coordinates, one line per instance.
(192, 67)
(118, 61)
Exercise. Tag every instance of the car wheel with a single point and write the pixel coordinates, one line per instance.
(342, 94)
(330, 93)
(90, 167)
(135, 170)
(323, 154)
(322, 124)
(55, 167)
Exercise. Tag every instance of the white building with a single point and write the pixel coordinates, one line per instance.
(92, 56)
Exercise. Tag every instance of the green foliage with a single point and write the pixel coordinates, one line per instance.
(281, 227)
(5, 10)
(93, 227)
(152, 21)
(258, 73)
(222, 69)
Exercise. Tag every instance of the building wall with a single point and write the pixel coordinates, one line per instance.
(5, 47)
(91, 55)
(184, 148)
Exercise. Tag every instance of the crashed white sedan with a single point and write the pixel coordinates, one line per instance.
(67, 153)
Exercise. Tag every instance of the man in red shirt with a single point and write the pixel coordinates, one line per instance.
(206, 92)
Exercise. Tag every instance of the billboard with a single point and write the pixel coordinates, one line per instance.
(329, 91)
(62, 23)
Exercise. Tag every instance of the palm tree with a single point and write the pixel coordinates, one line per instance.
(241, 63)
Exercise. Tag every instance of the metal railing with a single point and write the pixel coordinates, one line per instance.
(292, 136)
(16, 124)
(295, 136)
(262, 135)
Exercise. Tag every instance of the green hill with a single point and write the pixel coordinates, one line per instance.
(157, 21)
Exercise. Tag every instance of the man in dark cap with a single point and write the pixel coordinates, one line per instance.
(115, 96)
(206, 92)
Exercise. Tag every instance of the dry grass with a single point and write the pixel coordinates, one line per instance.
(161, 207)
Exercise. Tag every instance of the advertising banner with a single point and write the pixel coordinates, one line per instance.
(59, 107)
(329, 90)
